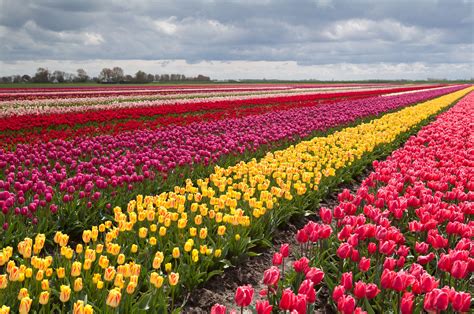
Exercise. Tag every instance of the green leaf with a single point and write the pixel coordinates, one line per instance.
(368, 307)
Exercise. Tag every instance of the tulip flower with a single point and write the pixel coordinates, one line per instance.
(263, 307)
(287, 300)
(346, 280)
(277, 259)
(114, 297)
(218, 309)
(316, 275)
(243, 296)
(271, 276)
(346, 304)
(307, 288)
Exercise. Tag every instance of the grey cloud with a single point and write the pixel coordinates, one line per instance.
(306, 32)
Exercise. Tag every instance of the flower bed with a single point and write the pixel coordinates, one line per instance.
(164, 245)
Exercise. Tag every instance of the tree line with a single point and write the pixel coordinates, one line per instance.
(114, 75)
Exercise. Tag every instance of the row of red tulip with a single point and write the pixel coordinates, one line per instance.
(403, 241)
(16, 123)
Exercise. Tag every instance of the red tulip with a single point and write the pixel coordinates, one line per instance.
(360, 289)
(307, 289)
(344, 250)
(346, 280)
(372, 248)
(461, 301)
(372, 290)
(263, 307)
(285, 250)
(389, 263)
(425, 259)
(364, 264)
(338, 292)
(301, 265)
(325, 214)
(459, 269)
(287, 300)
(436, 300)
(271, 276)
(277, 259)
(244, 295)
(387, 278)
(406, 303)
(299, 304)
(301, 236)
(218, 309)
(346, 304)
(358, 310)
(421, 247)
(316, 275)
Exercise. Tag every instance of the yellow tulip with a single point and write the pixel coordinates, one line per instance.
(76, 269)
(78, 284)
(23, 293)
(78, 307)
(65, 293)
(113, 298)
(25, 305)
(176, 252)
(44, 297)
(3, 281)
(173, 279)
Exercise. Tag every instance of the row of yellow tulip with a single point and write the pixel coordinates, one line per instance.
(161, 245)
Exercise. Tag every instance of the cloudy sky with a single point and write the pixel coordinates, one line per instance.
(294, 39)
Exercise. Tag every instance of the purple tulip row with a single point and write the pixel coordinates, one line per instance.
(51, 175)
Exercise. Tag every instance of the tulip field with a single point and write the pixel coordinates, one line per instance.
(127, 199)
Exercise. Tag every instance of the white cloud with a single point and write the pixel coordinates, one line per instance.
(93, 39)
(167, 26)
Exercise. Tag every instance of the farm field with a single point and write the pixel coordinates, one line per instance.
(126, 199)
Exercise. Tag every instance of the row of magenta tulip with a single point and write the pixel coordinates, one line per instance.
(116, 120)
(74, 180)
(402, 241)
(164, 245)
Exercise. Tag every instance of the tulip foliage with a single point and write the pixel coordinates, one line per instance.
(401, 243)
(162, 246)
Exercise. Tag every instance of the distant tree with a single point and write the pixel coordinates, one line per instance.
(70, 77)
(16, 78)
(117, 74)
(128, 78)
(58, 76)
(202, 78)
(157, 77)
(140, 77)
(150, 78)
(6, 79)
(105, 75)
(42, 76)
(164, 77)
(26, 78)
(81, 75)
